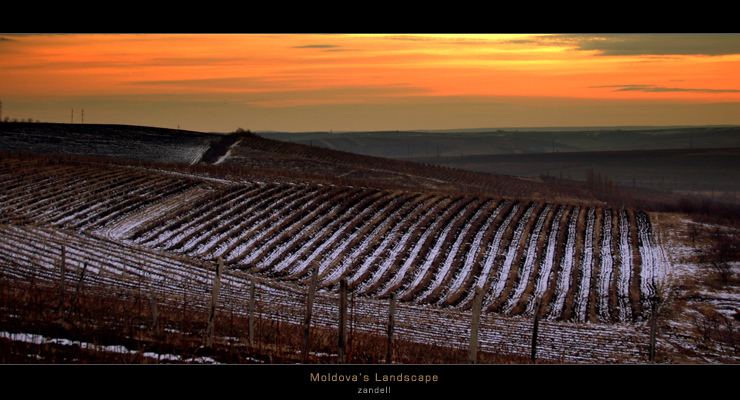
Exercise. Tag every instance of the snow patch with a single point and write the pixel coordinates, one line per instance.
(228, 152)
(566, 266)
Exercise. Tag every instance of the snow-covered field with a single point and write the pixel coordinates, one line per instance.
(144, 144)
(123, 267)
(606, 266)
(702, 323)
(567, 265)
(529, 261)
(547, 263)
(455, 288)
(431, 250)
(586, 272)
(625, 270)
(118, 349)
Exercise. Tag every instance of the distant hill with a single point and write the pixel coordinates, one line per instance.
(682, 170)
(300, 161)
(515, 176)
(403, 144)
(120, 141)
(121, 232)
(263, 158)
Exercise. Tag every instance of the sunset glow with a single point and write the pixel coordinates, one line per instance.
(357, 82)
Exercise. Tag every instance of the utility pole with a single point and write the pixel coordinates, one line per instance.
(1, 111)
(82, 116)
(72, 116)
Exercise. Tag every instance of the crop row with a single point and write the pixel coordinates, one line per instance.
(34, 254)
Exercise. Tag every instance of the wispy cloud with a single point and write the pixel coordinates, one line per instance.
(212, 83)
(153, 62)
(281, 92)
(317, 46)
(332, 95)
(453, 41)
(6, 39)
(411, 38)
(663, 89)
(605, 44)
(652, 44)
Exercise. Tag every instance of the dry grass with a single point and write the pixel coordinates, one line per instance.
(691, 314)
(106, 317)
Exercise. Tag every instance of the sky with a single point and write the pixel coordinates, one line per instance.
(372, 82)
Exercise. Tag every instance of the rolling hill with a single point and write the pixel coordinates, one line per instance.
(143, 217)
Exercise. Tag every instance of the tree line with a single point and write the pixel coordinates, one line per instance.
(9, 120)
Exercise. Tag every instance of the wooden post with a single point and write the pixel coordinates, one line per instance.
(309, 310)
(653, 327)
(154, 313)
(343, 321)
(260, 330)
(75, 299)
(185, 287)
(474, 326)
(252, 299)
(535, 329)
(62, 278)
(351, 325)
(391, 326)
(138, 294)
(214, 302)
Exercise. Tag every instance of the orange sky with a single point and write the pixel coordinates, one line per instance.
(356, 82)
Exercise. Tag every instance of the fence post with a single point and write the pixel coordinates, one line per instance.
(62, 279)
(653, 326)
(78, 289)
(351, 339)
(252, 299)
(214, 301)
(154, 312)
(474, 326)
(309, 310)
(391, 326)
(185, 287)
(535, 329)
(343, 321)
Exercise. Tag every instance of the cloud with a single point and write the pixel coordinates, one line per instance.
(333, 95)
(663, 89)
(231, 82)
(454, 41)
(605, 44)
(223, 113)
(316, 46)
(153, 62)
(520, 41)
(411, 38)
(653, 44)
(196, 60)
(6, 39)
(280, 93)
